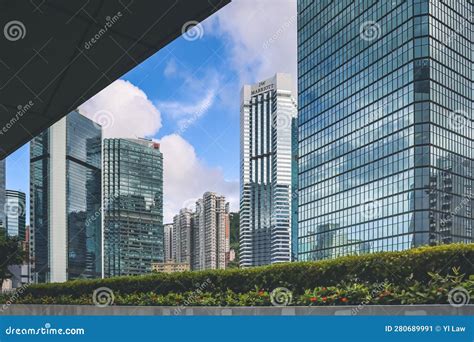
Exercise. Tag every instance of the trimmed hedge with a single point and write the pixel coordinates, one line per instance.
(391, 267)
(449, 289)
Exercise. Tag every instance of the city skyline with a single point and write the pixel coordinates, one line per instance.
(383, 165)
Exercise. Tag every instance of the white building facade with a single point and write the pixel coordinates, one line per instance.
(267, 159)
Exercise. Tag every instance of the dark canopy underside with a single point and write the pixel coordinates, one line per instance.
(55, 55)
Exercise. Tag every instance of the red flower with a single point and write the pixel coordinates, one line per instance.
(344, 300)
(324, 289)
(261, 293)
(313, 299)
(324, 299)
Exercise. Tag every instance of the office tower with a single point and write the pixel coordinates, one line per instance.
(210, 233)
(267, 158)
(133, 206)
(2, 194)
(168, 242)
(15, 212)
(65, 185)
(385, 125)
(182, 226)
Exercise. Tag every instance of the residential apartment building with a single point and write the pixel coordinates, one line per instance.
(182, 226)
(210, 233)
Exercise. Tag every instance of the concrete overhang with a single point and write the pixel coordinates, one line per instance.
(55, 55)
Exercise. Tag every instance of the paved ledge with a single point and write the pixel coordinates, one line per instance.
(367, 310)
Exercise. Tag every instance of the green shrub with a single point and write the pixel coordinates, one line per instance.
(345, 277)
(435, 291)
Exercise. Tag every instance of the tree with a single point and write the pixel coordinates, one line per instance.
(11, 253)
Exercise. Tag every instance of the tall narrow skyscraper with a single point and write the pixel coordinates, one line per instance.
(133, 206)
(168, 242)
(65, 185)
(267, 158)
(2, 194)
(182, 245)
(385, 125)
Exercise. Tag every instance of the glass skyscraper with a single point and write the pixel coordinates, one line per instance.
(133, 206)
(65, 185)
(2, 194)
(267, 161)
(385, 125)
(15, 212)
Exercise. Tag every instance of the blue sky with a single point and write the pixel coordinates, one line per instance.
(187, 97)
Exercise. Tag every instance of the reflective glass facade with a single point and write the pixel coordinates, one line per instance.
(133, 206)
(65, 182)
(385, 125)
(2, 193)
(15, 212)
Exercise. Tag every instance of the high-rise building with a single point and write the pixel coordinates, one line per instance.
(385, 125)
(133, 206)
(65, 185)
(168, 241)
(210, 233)
(267, 158)
(15, 212)
(2, 194)
(182, 226)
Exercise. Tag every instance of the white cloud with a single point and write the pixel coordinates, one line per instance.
(188, 113)
(261, 37)
(186, 177)
(124, 111)
(194, 98)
